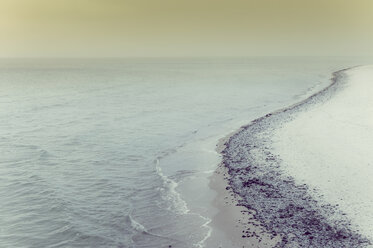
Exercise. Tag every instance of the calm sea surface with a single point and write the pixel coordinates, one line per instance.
(118, 153)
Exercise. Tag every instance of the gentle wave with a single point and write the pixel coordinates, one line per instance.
(169, 193)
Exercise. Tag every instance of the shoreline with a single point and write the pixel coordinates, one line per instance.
(232, 218)
(245, 150)
(340, 133)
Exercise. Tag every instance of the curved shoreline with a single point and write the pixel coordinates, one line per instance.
(284, 209)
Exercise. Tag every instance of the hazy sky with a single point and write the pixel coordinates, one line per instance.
(122, 28)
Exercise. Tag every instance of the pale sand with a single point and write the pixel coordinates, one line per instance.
(330, 149)
(304, 221)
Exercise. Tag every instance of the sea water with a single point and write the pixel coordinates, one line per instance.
(118, 152)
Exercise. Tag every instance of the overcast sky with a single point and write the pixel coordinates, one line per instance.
(164, 28)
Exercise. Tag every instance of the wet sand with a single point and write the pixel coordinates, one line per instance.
(234, 220)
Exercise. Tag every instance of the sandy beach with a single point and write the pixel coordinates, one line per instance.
(235, 221)
(336, 159)
(186, 124)
(300, 175)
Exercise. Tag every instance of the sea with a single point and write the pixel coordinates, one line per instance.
(119, 152)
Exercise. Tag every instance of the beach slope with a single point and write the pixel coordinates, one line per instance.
(330, 148)
(305, 170)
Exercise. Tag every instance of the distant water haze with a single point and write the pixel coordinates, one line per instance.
(111, 153)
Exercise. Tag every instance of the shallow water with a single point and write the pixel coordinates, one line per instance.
(117, 153)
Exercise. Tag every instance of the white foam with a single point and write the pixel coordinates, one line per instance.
(169, 193)
(136, 225)
(201, 243)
